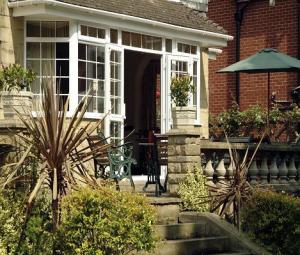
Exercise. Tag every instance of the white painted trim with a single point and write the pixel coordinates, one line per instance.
(73, 63)
(119, 16)
(213, 53)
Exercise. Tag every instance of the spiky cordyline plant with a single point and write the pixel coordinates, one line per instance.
(228, 196)
(59, 144)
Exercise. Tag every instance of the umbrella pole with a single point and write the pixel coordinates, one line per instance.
(268, 100)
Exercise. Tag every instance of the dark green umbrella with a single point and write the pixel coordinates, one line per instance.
(265, 61)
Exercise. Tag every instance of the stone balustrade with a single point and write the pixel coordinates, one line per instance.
(276, 165)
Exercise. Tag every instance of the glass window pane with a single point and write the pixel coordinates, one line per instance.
(117, 89)
(100, 88)
(62, 50)
(147, 42)
(82, 86)
(91, 70)
(33, 29)
(48, 28)
(62, 68)
(194, 49)
(63, 85)
(100, 72)
(91, 52)
(114, 36)
(179, 47)
(100, 54)
(186, 48)
(101, 33)
(81, 69)
(168, 45)
(195, 68)
(82, 51)
(84, 30)
(48, 67)
(33, 50)
(92, 31)
(35, 86)
(100, 105)
(157, 43)
(62, 29)
(126, 38)
(34, 65)
(48, 50)
(136, 40)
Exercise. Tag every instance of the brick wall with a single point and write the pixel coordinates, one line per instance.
(263, 26)
(11, 36)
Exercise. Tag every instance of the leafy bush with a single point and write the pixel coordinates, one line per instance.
(274, 220)
(16, 77)
(105, 222)
(193, 191)
(36, 238)
(181, 87)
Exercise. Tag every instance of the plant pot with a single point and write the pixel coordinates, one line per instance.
(15, 100)
(183, 117)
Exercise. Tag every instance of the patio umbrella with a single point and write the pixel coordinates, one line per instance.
(265, 61)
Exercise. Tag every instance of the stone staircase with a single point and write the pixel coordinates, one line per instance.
(187, 233)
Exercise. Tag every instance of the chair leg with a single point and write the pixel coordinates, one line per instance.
(132, 183)
(117, 184)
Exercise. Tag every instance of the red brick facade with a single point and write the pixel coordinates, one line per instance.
(263, 26)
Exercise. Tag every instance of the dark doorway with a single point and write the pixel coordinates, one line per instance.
(142, 94)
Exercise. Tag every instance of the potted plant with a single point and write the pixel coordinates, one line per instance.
(183, 115)
(15, 92)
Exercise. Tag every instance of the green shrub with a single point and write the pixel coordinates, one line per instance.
(273, 220)
(181, 87)
(193, 191)
(105, 222)
(16, 77)
(37, 239)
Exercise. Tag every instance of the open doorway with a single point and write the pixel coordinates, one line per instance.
(142, 95)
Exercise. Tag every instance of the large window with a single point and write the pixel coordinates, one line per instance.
(48, 55)
(91, 75)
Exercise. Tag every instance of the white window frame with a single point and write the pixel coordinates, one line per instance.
(168, 104)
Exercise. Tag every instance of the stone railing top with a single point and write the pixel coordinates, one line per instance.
(183, 132)
(209, 145)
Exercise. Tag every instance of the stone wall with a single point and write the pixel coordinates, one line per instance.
(11, 36)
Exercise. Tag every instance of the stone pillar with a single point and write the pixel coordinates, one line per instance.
(204, 93)
(11, 36)
(183, 154)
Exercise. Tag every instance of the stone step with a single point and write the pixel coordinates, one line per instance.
(232, 253)
(194, 246)
(181, 231)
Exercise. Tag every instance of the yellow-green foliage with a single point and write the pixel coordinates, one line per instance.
(193, 191)
(105, 222)
(273, 219)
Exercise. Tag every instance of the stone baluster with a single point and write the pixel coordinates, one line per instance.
(253, 171)
(264, 170)
(274, 170)
(283, 171)
(209, 172)
(221, 170)
(292, 170)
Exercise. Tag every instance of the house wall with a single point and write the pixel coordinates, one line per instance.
(263, 26)
(11, 36)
